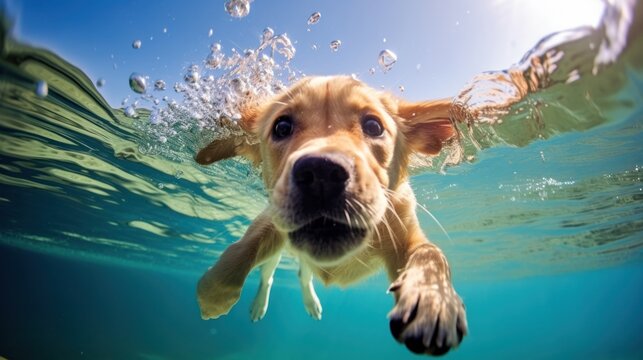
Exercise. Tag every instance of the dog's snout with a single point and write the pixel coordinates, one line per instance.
(319, 176)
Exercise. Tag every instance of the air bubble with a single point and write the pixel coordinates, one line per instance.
(137, 83)
(268, 33)
(314, 18)
(42, 89)
(192, 76)
(137, 44)
(401, 88)
(237, 8)
(210, 32)
(387, 59)
(214, 60)
(159, 85)
(335, 44)
(130, 111)
(154, 118)
(371, 71)
(100, 82)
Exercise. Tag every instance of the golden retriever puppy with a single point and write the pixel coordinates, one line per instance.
(334, 155)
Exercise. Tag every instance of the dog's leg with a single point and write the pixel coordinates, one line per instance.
(220, 287)
(429, 317)
(260, 304)
(311, 301)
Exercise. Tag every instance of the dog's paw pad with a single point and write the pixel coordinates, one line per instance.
(428, 320)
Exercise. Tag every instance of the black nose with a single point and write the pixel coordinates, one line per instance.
(320, 177)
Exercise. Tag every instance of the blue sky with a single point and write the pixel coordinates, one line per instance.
(440, 44)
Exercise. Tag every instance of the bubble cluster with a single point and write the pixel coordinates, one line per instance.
(215, 92)
(237, 8)
(386, 59)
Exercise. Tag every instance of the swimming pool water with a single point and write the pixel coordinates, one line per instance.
(105, 229)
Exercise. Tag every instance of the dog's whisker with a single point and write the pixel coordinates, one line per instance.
(363, 215)
(379, 236)
(391, 207)
(348, 218)
(436, 220)
(349, 203)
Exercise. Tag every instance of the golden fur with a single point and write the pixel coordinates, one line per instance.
(328, 115)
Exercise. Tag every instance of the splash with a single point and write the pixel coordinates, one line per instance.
(214, 93)
(512, 106)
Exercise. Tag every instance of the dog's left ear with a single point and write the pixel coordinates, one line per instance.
(239, 145)
(426, 125)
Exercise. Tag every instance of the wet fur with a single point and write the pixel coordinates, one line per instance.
(429, 316)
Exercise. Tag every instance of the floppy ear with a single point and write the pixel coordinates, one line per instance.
(426, 125)
(227, 148)
(236, 145)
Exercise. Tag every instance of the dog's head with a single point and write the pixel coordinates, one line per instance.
(331, 150)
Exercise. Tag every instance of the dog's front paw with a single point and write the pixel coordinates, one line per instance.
(428, 318)
(216, 299)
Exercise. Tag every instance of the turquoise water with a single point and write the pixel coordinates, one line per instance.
(106, 229)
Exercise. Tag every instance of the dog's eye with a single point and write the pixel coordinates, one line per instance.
(283, 127)
(372, 126)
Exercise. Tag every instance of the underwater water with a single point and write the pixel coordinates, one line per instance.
(107, 223)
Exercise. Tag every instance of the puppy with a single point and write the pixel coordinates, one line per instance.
(334, 155)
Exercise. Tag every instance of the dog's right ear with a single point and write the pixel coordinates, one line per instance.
(238, 145)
